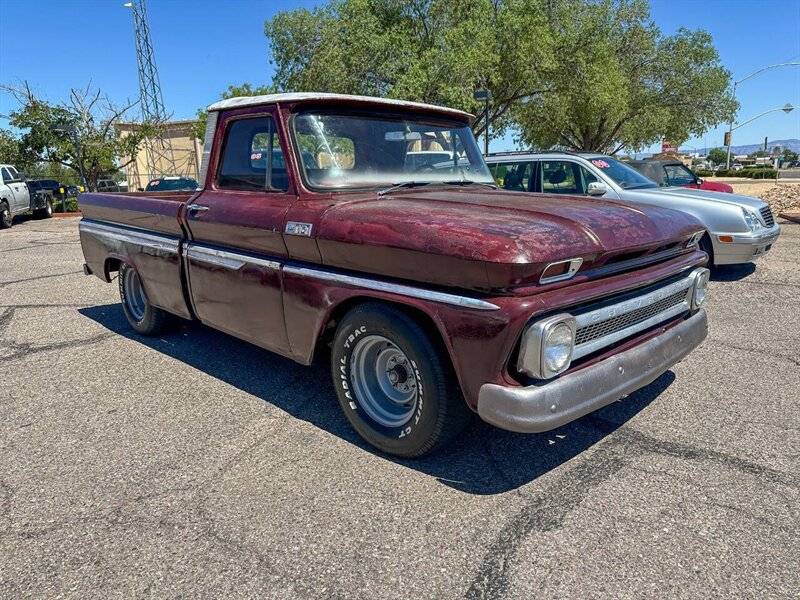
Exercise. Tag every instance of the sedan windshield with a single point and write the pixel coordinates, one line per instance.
(624, 176)
(353, 150)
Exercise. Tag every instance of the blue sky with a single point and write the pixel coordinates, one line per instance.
(201, 46)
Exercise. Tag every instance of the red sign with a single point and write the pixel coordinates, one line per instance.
(668, 147)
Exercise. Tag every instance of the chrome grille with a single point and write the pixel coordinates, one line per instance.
(766, 214)
(620, 322)
(599, 328)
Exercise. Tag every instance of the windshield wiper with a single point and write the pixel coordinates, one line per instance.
(470, 182)
(402, 184)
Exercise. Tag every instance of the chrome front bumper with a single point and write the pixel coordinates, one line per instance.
(549, 405)
(745, 246)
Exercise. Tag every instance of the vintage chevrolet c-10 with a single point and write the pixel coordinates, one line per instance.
(373, 228)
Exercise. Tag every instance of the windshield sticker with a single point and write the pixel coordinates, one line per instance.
(601, 164)
(156, 182)
(255, 156)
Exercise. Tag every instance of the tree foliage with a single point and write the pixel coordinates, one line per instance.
(623, 84)
(437, 51)
(588, 75)
(233, 91)
(718, 156)
(80, 134)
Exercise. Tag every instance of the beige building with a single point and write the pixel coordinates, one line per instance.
(180, 154)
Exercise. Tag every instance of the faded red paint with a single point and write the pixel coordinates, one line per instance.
(474, 241)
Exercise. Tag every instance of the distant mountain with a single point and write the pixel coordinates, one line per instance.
(794, 144)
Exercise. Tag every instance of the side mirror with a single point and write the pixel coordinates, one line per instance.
(139, 189)
(22, 177)
(698, 181)
(596, 188)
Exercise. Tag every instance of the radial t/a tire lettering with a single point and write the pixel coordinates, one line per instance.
(395, 385)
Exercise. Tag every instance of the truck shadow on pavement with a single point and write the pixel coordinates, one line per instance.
(732, 272)
(483, 460)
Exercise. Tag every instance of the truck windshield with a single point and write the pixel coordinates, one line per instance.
(625, 177)
(349, 150)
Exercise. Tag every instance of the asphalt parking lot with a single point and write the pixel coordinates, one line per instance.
(196, 465)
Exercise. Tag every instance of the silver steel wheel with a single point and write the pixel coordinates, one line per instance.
(5, 216)
(135, 300)
(383, 381)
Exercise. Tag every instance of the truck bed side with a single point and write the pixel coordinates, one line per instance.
(143, 230)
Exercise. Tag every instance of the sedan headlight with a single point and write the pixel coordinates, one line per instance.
(701, 277)
(752, 220)
(546, 348)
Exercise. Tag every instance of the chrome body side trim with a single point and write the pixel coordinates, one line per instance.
(393, 288)
(118, 234)
(615, 310)
(225, 258)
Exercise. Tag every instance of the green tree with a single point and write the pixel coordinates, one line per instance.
(233, 91)
(79, 134)
(621, 83)
(436, 51)
(758, 154)
(10, 149)
(718, 156)
(789, 155)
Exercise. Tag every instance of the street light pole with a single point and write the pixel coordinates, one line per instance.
(484, 95)
(736, 83)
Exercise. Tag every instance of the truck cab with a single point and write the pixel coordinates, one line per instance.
(370, 232)
(17, 197)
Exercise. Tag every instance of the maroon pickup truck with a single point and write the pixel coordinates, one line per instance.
(373, 227)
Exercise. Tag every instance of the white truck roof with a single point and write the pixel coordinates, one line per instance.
(311, 96)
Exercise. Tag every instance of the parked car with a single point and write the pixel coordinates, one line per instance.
(737, 166)
(437, 293)
(738, 228)
(107, 185)
(17, 197)
(171, 184)
(673, 173)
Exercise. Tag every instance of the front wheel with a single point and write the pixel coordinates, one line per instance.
(143, 316)
(5, 216)
(395, 386)
(707, 247)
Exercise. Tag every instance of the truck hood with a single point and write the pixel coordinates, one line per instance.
(702, 196)
(482, 239)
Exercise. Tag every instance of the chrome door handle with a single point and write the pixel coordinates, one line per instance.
(196, 207)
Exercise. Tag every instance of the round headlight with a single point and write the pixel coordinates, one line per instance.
(700, 288)
(557, 348)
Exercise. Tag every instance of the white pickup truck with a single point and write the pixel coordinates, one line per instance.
(16, 197)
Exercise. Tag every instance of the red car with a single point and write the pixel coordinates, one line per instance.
(319, 231)
(668, 173)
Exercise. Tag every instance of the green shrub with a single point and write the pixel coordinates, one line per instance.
(71, 205)
(703, 173)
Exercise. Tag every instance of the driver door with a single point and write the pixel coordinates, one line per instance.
(20, 196)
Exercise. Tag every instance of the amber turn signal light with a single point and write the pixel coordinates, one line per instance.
(725, 239)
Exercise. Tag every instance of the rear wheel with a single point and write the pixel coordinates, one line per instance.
(143, 316)
(395, 386)
(5, 216)
(47, 211)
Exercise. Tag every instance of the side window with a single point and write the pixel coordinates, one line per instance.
(678, 175)
(561, 177)
(513, 176)
(252, 157)
(588, 177)
(6, 175)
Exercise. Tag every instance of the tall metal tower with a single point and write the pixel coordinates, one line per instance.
(160, 155)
